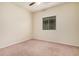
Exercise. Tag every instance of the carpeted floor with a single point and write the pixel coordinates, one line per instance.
(39, 48)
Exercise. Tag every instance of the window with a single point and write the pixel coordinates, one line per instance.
(49, 23)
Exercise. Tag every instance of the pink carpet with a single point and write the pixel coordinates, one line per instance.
(39, 48)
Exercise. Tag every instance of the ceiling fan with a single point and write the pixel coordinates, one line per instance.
(34, 3)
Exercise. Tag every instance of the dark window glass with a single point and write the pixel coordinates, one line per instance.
(49, 23)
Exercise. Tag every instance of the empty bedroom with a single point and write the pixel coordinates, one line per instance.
(39, 28)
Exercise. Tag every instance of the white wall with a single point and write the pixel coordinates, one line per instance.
(15, 24)
(67, 24)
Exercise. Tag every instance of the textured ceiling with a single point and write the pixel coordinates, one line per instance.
(35, 7)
